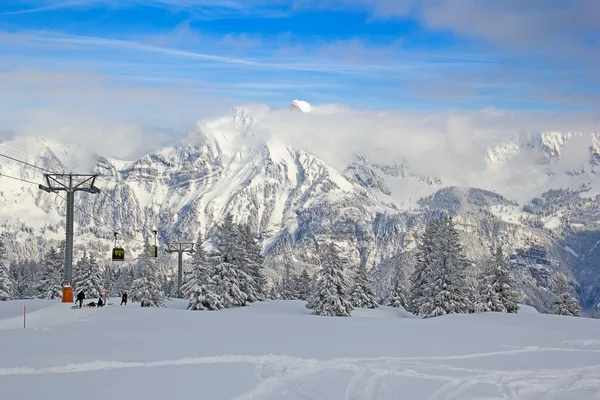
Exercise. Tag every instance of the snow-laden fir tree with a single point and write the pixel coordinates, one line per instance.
(288, 289)
(363, 293)
(274, 294)
(77, 271)
(51, 285)
(398, 297)
(331, 291)
(425, 259)
(6, 287)
(445, 289)
(303, 285)
(228, 280)
(25, 277)
(200, 289)
(565, 301)
(238, 246)
(496, 290)
(90, 278)
(147, 289)
(124, 280)
(109, 280)
(253, 260)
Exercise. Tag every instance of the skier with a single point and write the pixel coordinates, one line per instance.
(124, 298)
(80, 298)
(100, 302)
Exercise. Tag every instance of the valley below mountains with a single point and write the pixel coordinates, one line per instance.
(536, 194)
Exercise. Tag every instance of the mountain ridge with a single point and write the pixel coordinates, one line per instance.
(296, 201)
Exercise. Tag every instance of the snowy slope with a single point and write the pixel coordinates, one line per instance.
(277, 350)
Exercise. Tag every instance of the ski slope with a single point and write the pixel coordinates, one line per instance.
(277, 350)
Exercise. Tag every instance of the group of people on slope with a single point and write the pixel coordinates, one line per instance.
(100, 303)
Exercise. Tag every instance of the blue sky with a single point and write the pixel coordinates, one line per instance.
(433, 55)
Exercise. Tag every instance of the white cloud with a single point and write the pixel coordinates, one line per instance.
(452, 144)
(119, 120)
(515, 24)
(106, 115)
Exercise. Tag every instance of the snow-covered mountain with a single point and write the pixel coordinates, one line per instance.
(373, 207)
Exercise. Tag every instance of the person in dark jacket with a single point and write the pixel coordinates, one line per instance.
(124, 298)
(100, 302)
(80, 298)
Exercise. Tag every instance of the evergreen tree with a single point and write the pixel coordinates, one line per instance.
(329, 298)
(90, 278)
(109, 280)
(230, 241)
(226, 278)
(363, 293)
(565, 302)
(488, 298)
(496, 287)
(398, 297)
(200, 288)
(273, 293)
(239, 247)
(124, 280)
(78, 271)
(425, 259)
(304, 285)
(147, 287)
(6, 286)
(445, 289)
(25, 277)
(253, 260)
(51, 284)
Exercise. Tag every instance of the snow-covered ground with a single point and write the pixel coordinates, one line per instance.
(277, 350)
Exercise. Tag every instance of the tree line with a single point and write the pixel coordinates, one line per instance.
(232, 275)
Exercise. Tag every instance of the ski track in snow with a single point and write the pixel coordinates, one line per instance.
(369, 375)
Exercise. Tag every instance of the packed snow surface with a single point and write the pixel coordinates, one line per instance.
(277, 350)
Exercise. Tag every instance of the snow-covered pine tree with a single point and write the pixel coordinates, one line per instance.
(51, 285)
(109, 279)
(425, 259)
(488, 299)
(230, 242)
(273, 293)
(124, 280)
(6, 286)
(304, 285)
(147, 287)
(253, 260)
(227, 279)
(447, 287)
(363, 293)
(25, 277)
(90, 278)
(565, 301)
(505, 284)
(496, 287)
(200, 288)
(78, 270)
(398, 297)
(329, 298)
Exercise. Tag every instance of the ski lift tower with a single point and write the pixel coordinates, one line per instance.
(70, 183)
(180, 248)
